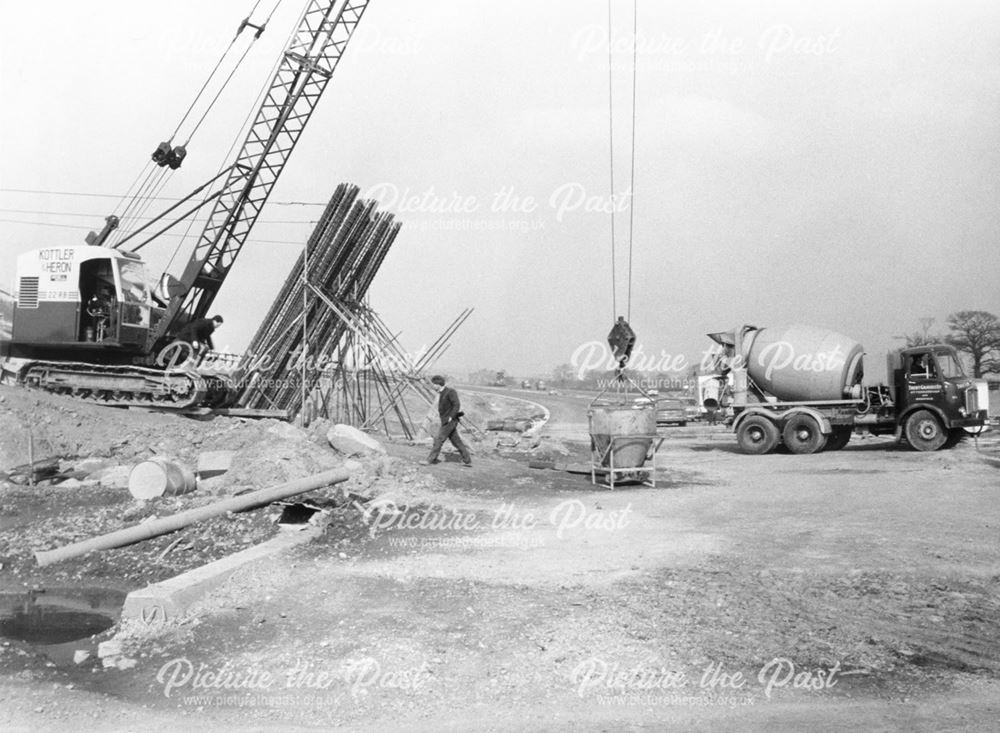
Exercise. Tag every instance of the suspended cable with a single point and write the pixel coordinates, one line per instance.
(158, 187)
(187, 231)
(260, 31)
(177, 205)
(142, 203)
(89, 194)
(125, 216)
(170, 157)
(145, 190)
(611, 153)
(244, 127)
(128, 191)
(90, 215)
(139, 194)
(631, 206)
(215, 99)
(212, 73)
(82, 227)
(240, 132)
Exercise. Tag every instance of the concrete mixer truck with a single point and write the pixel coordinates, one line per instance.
(803, 387)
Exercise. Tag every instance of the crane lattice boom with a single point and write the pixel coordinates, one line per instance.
(305, 69)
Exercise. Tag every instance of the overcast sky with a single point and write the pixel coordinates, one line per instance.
(835, 164)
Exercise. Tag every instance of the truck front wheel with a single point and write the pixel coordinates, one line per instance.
(924, 431)
(802, 435)
(757, 435)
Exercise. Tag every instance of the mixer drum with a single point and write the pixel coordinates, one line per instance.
(803, 363)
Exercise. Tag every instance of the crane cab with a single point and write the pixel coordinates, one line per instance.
(82, 298)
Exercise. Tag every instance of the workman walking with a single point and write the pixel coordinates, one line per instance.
(449, 408)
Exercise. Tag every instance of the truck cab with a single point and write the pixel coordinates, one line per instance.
(929, 382)
(83, 302)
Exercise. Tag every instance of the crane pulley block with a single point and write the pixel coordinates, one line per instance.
(247, 24)
(164, 155)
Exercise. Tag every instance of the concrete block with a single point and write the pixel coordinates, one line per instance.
(214, 463)
(162, 602)
(350, 441)
(115, 477)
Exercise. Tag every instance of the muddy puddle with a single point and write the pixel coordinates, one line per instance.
(59, 621)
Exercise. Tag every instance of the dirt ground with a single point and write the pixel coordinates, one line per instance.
(850, 590)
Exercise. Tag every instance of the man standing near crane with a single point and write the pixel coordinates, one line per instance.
(199, 332)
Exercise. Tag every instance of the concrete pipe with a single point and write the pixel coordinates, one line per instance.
(172, 523)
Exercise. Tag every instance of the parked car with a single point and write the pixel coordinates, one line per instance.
(671, 412)
(692, 410)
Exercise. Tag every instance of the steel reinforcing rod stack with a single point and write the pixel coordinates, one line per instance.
(342, 256)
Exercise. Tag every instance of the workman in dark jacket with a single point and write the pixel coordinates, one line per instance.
(199, 332)
(450, 410)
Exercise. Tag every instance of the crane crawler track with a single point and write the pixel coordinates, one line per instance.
(126, 386)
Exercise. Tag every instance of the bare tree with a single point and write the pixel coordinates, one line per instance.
(976, 333)
(922, 337)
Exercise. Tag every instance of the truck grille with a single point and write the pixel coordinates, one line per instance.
(971, 401)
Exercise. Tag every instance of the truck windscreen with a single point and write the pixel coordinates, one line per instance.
(948, 365)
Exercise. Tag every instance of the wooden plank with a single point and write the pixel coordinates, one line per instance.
(252, 412)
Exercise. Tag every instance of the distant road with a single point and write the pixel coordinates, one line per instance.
(567, 410)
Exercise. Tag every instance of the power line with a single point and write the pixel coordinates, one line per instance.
(118, 196)
(96, 216)
(74, 226)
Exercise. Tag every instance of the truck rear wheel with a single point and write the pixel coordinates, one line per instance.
(802, 434)
(757, 435)
(839, 438)
(924, 431)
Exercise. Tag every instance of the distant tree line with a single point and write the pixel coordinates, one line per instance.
(976, 334)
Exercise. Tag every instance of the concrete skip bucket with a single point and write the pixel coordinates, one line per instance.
(622, 438)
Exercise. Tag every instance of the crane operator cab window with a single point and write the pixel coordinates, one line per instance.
(114, 300)
(99, 300)
(135, 293)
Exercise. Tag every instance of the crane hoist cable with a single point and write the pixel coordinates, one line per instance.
(128, 192)
(611, 165)
(240, 135)
(246, 23)
(141, 194)
(631, 187)
(167, 156)
(218, 63)
(611, 162)
(244, 129)
(622, 337)
(155, 192)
